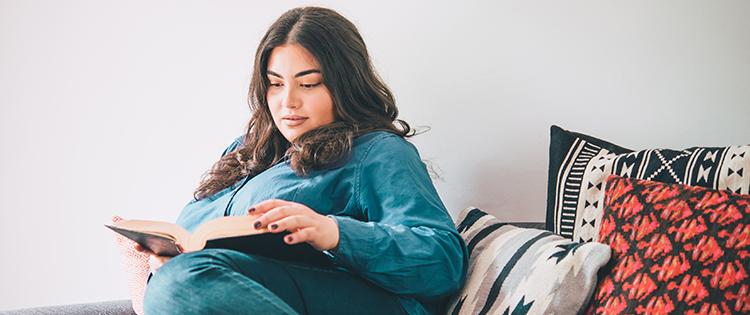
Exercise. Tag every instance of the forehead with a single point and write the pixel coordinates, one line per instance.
(289, 59)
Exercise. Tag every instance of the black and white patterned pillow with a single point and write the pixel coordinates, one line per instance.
(516, 270)
(580, 164)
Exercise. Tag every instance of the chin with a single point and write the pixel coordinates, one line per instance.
(293, 133)
(290, 135)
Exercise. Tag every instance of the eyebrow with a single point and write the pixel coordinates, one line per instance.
(299, 74)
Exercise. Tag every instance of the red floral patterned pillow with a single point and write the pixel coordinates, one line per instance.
(676, 249)
(137, 268)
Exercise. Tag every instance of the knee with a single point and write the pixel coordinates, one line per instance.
(181, 284)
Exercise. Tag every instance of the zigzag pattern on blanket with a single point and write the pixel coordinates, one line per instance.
(580, 165)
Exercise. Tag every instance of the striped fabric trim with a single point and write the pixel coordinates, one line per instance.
(571, 180)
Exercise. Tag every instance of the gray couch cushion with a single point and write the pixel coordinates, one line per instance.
(121, 307)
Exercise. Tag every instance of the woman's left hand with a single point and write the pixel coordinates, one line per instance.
(305, 224)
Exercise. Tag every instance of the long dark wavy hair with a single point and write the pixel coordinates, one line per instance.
(361, 102)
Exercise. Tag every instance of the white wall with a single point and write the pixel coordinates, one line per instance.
(110, 107)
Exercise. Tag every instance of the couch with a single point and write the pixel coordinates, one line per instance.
(123, 307)
(649, 231)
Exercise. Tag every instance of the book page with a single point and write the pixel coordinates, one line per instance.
(221, 228)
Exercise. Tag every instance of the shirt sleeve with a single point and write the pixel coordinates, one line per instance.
(408, 243)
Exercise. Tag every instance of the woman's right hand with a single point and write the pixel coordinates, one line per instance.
(155, 261)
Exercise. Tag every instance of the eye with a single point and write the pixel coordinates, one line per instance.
(275, 84)
(309, 86)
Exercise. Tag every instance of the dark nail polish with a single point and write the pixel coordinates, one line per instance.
(251, 210)
(257, 224)
(289, 239)
(274, 226)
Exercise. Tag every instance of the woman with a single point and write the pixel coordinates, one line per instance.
(324, 157)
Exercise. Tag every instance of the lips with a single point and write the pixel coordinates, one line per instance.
(293, 120)
(294, 117)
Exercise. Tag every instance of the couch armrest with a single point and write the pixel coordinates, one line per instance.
(528, 225)
(120, 307)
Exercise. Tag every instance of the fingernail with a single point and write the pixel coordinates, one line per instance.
(274, 226)
(257, 224)
(251, 210)
(289, 239)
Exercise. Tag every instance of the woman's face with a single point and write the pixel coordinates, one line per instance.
(297, 97)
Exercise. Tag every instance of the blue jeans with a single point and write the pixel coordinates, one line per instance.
(222, 281)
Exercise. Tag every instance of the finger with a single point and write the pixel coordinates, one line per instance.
(154, 262)
(291, 223)
(162, 259)
(276, 214)
(142, 249)
(267, 205)
(302, 235)
(254, 215)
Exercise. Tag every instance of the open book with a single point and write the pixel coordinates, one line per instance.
(232, 232)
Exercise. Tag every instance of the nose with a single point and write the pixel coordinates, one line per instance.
(291, 98)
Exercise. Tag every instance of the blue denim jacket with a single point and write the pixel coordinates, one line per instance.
(394, 229)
